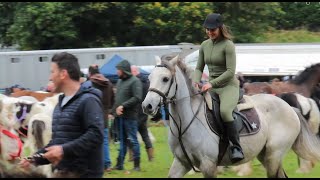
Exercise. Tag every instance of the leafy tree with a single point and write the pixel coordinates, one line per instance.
(43, 25)
(249, 20)
(56, 25)
(7, 15)
(98, 23)
(170, 22)
(299, 15)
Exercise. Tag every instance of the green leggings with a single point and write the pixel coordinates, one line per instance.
(229, 97)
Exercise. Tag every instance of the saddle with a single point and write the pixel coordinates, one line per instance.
(245, 117)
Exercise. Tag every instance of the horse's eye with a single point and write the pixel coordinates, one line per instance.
(165, 79)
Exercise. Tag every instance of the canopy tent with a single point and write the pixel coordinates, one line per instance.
(109, 69)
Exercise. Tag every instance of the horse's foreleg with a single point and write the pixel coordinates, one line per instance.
(177, 170)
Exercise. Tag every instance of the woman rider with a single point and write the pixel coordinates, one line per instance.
(218, 53)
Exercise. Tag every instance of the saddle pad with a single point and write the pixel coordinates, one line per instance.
(250, 124)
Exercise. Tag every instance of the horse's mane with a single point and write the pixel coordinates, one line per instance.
(187, 71)
(306, 74)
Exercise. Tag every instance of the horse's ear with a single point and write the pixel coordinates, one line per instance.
(174, 60)
(158, 60)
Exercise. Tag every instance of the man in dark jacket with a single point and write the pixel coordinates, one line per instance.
(77, 125)
(128, 98)
(105, 86)
(142, 118)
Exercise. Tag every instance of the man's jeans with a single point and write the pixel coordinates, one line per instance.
(128, 134)
(143, 130)
(106, 160)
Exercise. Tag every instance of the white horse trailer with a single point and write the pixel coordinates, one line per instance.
(31, 69)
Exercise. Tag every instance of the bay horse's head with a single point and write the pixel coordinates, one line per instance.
(311, 75)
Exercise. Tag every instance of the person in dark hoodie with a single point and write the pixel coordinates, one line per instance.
(105, 86)
(77, 124)
(142, 118)
(128, 98)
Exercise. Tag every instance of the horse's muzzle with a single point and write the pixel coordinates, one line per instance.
(149, 109)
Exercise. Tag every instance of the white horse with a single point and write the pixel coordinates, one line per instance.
(2, 96)
(15, 114)
(39, 135)
(40, 130)
(310, 111)
(192, 142)
(28, 98)
(9, 107)
(10, 143)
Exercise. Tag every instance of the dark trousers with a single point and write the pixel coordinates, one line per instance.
(143, 130)
(128, 134)
(114, 131)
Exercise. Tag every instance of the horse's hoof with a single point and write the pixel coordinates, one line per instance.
(302, 171)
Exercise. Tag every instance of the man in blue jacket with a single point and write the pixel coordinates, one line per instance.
(77, 125)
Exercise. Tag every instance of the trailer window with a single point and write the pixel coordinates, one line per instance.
(100, 56)
(43, 59)
(15, 60)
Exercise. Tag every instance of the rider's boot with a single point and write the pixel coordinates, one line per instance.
(236, 153)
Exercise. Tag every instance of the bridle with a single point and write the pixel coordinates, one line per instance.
(165, 95)
(166, 100)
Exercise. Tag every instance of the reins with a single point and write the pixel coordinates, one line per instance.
(166, 101)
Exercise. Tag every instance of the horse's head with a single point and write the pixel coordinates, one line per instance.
(13, 112)
(311, 76)
(162, 85)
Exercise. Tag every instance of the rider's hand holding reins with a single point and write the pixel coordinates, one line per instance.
(196, 85)
(206, 87)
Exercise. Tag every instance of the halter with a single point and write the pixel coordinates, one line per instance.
(6, 132)
(23, 115)
(173, 100)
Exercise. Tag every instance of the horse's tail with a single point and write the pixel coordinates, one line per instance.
(307, 144)
(38, 128)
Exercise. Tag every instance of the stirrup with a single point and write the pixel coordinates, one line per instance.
(236, 155)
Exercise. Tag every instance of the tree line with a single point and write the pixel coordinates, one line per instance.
(60, 25)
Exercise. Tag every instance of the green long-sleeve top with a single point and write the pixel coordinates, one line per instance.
(220, 57)
(129, 95)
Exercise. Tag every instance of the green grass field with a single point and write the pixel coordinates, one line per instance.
(159, 168)
(292, 36)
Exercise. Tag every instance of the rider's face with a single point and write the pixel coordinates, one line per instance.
(213, 33)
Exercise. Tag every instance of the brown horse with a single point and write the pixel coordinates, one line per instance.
(304, 83)
(256, 88)
(40, 96)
